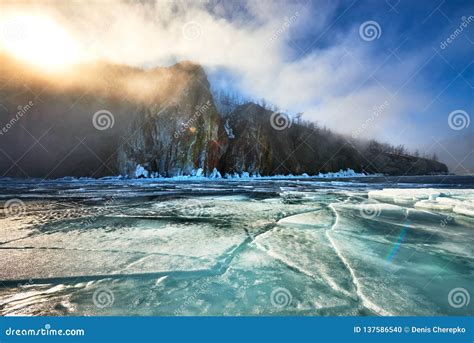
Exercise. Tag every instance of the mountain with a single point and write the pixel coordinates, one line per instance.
(102, 119)
(270, 142)
(176, 134)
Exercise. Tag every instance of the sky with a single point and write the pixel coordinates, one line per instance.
(399, 71)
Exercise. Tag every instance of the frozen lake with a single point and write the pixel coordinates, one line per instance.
(354, 246)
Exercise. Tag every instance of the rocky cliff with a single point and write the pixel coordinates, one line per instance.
(179, 134)
(269, 143)
(102, 119)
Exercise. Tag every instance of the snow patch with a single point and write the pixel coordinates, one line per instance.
(199, 174)
(140, 171)
(228, 130)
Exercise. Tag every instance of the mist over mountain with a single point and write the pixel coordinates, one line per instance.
(104, 119)
(457, 152)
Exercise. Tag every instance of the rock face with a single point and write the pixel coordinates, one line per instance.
(271, 143)
(179, 135)
(102, 119)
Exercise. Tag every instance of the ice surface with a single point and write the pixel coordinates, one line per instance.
(226, 247)
(460, 201)
(311, 220)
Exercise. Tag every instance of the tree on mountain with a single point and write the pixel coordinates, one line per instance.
(298, 117)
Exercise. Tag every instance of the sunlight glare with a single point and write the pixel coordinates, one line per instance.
(37, 40)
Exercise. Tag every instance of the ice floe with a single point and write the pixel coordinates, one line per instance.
(460, 201)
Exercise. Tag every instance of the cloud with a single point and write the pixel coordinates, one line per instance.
(292, 54)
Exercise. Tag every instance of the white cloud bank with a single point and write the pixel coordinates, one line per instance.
(256, 42)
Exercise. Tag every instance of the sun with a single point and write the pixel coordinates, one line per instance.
(37, 40)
